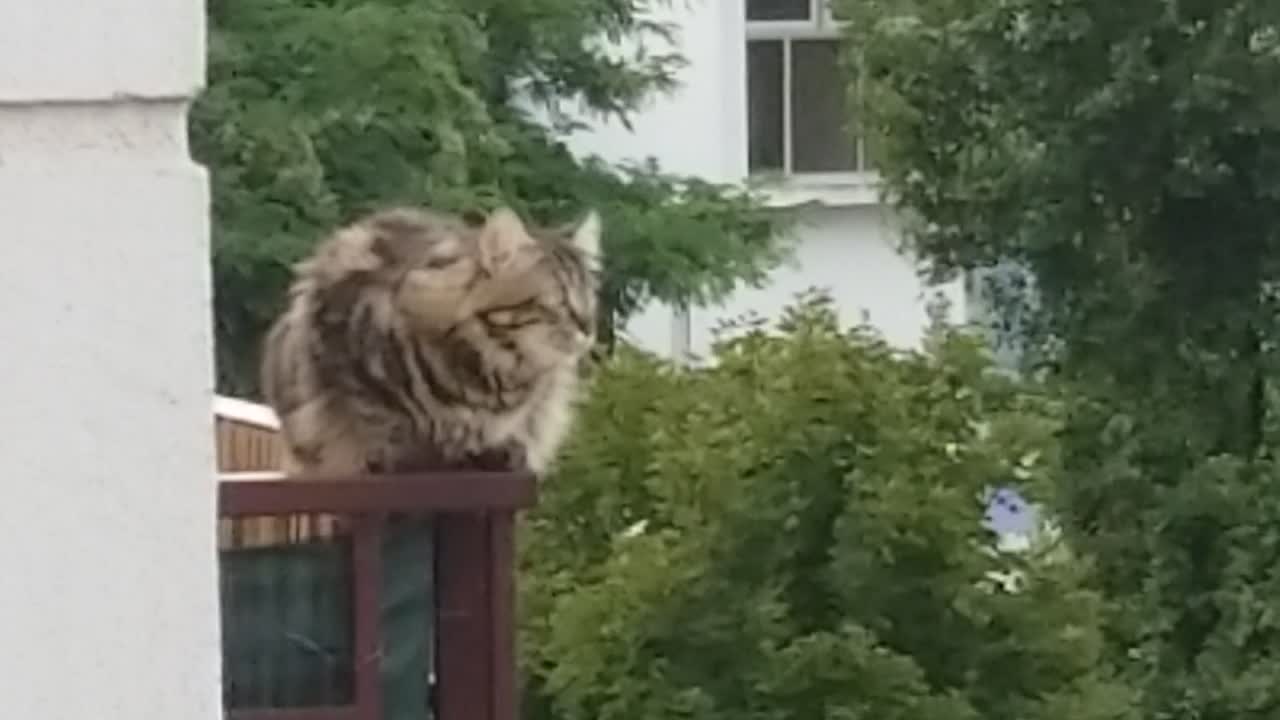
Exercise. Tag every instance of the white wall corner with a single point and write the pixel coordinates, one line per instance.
(111, 601)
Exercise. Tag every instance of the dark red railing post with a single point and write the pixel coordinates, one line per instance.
(502, 601)
(475, 576)
(463, 630)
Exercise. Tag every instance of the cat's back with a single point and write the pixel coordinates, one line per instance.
(338, 315)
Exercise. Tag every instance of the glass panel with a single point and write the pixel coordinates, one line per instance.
(821, 133)
(779, 9)
(287, 636)
(764, 105)
(408, 619)
(1000, 300)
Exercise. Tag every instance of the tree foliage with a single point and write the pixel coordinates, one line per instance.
(794, 532)
(1128, 155)
(319, 110)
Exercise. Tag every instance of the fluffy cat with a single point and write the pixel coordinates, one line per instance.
(413, 340)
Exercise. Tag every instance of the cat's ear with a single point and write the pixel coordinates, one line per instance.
(501, 239)
(586, 236)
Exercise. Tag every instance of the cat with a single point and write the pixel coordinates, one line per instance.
(416, 340)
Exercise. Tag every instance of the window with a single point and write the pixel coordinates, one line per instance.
(1001, 300)
(766, 10)
(798, 117)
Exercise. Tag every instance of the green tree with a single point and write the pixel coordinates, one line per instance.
(317, 111)
(1127, 154)
(795, 532)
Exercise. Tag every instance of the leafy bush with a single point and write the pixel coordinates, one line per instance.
(1123, 154)
(794, 533)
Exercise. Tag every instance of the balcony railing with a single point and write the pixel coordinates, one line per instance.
(370, 598)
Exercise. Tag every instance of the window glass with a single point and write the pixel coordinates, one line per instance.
(779, 9)
(821, 136)
(764, 105)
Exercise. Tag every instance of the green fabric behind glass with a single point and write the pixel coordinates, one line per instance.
(287, 623)
(408, 615)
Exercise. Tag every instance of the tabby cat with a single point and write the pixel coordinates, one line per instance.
(415, 340)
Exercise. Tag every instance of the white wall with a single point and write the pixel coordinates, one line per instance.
(701, 128)
(109, 601)
(852, 253)
(849, 248)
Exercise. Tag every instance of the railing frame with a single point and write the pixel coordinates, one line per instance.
(474, 519)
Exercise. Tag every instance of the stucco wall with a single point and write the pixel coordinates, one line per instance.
(109, 607)
(852, 253)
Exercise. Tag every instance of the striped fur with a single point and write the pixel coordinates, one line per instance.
(413, 339)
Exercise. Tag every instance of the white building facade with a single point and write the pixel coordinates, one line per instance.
(763, 97)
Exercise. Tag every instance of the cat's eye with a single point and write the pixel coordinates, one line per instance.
(501, 317)
(513, 317)
(440, 262)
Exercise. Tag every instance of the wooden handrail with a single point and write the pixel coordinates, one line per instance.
(410, 493)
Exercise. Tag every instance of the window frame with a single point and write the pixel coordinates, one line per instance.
(821, 25)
